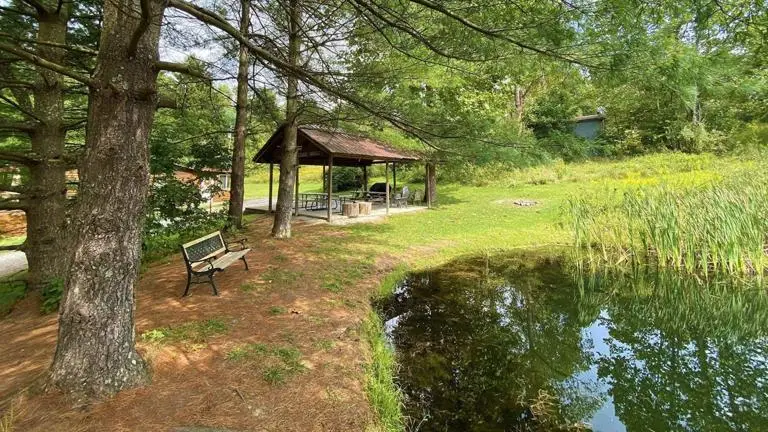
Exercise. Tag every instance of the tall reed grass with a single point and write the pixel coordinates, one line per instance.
(719, 227)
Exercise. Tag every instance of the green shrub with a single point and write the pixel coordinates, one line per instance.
(51, 295)
(191, 332)
(11, 291)
(750, 138)
(572, 148)
(346, 178)
(176, 214)
(277, 363)
(161, 240)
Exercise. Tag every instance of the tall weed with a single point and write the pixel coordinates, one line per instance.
(718, 227)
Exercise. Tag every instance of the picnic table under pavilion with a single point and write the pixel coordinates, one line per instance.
(325, 147)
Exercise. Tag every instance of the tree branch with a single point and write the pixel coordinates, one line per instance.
(284, 67)
(413, 33)
(15, 84)
(181, 68)
(13, 205)
(17, 126)
(140, 29)
(39, 7)
(495, 34)
(77, 124)
(24, 111)
(80, 49)
(39, 61)
(18, 12)
(17, 157)
(14, 189)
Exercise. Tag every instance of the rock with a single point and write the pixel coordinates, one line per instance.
(524, 203)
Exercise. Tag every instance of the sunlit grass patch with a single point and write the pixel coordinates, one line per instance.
(12, 240)
(324, 344)
(276, 363)
(380, 371)
(280, 258)
(280, 276)
(249, 286)
(345, 272)
(195, 332)
(277, 310)
(248, 351)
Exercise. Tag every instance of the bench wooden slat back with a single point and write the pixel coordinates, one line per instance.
(204, 247)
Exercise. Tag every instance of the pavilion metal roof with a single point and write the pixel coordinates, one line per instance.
(316, 144)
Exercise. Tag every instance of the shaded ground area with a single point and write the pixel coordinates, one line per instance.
(278, 350)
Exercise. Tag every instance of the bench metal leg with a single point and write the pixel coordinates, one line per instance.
(189, 282)
(213, 284)
(245, 262)
(198, 280)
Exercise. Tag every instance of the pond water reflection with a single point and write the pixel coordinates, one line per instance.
(518, 342)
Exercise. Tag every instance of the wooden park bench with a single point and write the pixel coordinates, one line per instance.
(210, 254)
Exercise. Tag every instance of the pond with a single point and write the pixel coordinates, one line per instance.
(522, 342)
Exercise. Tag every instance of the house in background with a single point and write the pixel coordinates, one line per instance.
(213, 179)
(589, 126)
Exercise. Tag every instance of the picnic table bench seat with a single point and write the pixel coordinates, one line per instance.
(208, 255)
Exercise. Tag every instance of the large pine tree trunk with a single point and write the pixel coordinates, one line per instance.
(46, 246)
(285, 198)
(95, 354)
(237, 190)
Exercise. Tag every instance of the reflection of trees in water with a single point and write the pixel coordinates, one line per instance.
(484, 346)
(684, 355)
(484, 343)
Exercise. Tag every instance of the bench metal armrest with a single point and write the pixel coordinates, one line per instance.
(208, 261)
(241, 242)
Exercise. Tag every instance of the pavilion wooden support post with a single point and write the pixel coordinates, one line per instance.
(365, 178)
(386, 183)
(330, 186)
(271, 175)
(296, 194)
(394, 176)
(430, 185)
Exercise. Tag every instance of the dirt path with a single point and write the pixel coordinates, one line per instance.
(284, 304)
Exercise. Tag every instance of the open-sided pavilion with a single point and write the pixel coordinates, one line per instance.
(333, 147)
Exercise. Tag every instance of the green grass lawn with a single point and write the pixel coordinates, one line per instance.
(257, 184)
(475, 219)
(12, 240)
